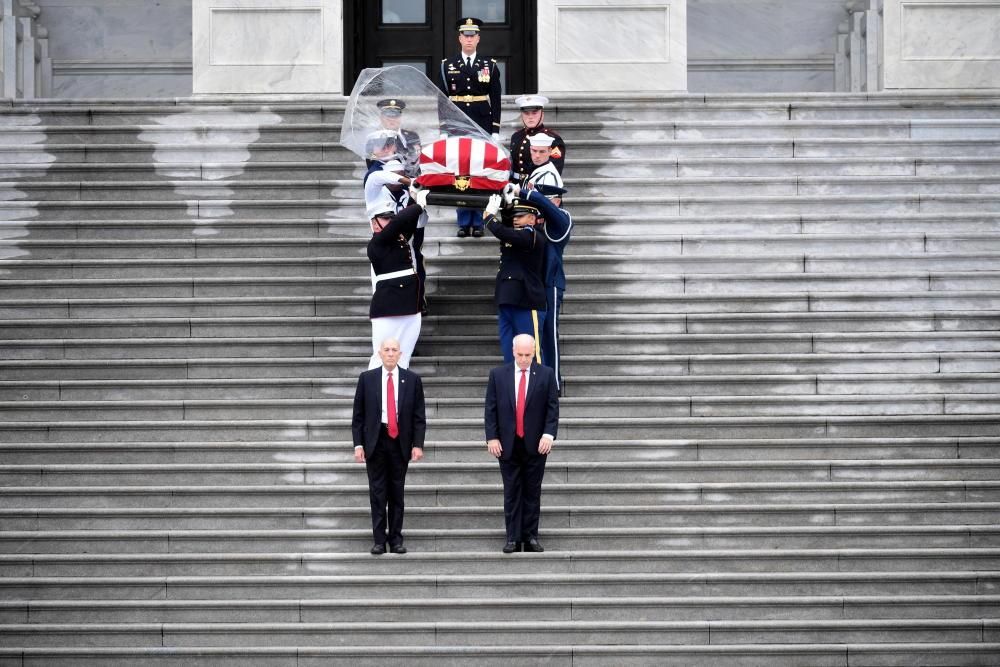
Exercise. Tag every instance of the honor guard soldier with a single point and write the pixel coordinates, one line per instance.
(533, 118)
(472, 83)
(407, 141)
(520, 288)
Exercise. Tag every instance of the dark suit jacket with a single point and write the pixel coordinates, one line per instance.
(409, 407)
(541, 409)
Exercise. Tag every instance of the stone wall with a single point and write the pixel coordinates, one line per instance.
(119, 48)
(761, 46)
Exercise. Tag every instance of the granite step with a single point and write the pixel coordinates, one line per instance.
(235, 475)
(486, 633)
(790, 426)
(705, 608)
(607, 226)
(267, 349)
(476, 320)
(269, 127)
(774, 400)
(425, 518)
(205, 210)
(341, 451)
(721, 655)
(314, 368)
(170, 187)
(575, 386)
(471, 495)
(204, 169)
(586, 248)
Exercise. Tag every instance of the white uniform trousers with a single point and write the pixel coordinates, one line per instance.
(404, 328)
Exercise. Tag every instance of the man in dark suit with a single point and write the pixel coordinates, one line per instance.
(522, 417)
(388, 428)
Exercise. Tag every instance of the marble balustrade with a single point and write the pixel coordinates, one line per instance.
(25, 64)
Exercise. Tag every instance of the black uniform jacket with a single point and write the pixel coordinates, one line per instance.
(389, 252)
(520, 151)
(482, 79)
(522, 259)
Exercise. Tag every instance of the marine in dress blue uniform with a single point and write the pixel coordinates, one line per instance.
(533, 118)
(472, 83)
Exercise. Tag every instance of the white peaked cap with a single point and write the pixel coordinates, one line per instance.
(531, 101)
(383, 204)
(540, 140)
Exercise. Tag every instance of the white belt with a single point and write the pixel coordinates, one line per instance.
(395, 274)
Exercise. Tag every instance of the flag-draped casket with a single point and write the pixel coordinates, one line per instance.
(463, 163)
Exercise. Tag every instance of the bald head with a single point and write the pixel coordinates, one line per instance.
(524, 350)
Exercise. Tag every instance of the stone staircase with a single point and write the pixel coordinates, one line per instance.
(780, 424)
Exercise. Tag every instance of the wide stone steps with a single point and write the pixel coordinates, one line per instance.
(811, 473)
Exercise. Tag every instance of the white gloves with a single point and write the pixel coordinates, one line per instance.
(496, 137)
(510, 193)
(493, 207)
(419, 196)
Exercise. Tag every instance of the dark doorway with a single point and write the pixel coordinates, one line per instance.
(422, 32)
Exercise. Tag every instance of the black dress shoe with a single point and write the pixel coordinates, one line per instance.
(509, 548)
(462, 232)
(378, 549)
(397, 549)
(533, 546)
(477, 232)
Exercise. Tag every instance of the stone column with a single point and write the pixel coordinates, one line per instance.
(612, 45)
(938, 44)
(267, 47)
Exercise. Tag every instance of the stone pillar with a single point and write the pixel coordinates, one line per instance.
(612, 45)
(938, 44)
(267, 47)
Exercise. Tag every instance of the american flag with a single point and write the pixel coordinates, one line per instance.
(483, 164)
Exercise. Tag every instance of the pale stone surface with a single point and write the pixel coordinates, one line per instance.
(267, 46)
(612, 45)
(119, 48)
(942, 44)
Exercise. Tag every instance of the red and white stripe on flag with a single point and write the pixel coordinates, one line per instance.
(487, 166)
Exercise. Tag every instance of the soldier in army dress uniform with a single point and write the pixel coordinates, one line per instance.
(407, 141)
(472, 83)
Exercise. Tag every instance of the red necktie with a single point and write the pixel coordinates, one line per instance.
(390, 406)
(522, 387)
